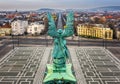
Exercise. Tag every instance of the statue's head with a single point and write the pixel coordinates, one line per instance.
(60, 31)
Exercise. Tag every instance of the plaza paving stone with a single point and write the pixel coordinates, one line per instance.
(99, 66)
(91, 65)
(20, 65)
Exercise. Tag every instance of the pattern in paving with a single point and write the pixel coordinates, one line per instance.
(99, 66)
(26, 65)
(20, 66)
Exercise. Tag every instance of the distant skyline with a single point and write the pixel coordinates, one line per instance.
(59, 4)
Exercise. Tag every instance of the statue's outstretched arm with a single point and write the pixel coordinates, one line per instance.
(52, 28)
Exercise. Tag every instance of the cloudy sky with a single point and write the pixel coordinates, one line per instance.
(60, 4)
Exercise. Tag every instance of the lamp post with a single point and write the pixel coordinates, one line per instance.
(78, 40)
(103, 37)
(18, 40)
(46, 39)
(13, 42)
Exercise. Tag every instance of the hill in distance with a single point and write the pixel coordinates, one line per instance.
(49, 10)
(106, 8)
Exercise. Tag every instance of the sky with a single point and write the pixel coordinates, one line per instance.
(59, 4)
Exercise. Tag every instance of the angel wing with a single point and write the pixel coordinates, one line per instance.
(69, 30)
(52, 27)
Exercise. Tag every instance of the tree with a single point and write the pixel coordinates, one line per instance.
(112, 26)
(97, 20)
(45, 20)
(75, 27)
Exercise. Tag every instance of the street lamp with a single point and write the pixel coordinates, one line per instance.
(46, 39)
(78, 40)
(13, 41)
(105, 37)
(18, 39)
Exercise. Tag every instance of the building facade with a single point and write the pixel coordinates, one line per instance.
(35, 28)
(19, 27)
(94, 32)
(5, 29)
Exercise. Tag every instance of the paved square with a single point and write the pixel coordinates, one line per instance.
(27, 65)
(20, 66)
(98, 66)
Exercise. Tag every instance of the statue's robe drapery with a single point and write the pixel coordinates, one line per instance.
(60, 49)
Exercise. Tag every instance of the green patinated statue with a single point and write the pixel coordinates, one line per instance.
(60, 50)
(60, 72)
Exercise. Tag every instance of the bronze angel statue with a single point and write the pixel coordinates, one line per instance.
(60, 51)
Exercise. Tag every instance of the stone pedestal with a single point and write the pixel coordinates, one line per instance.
(59, 75)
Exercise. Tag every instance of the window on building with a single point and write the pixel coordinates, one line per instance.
(15, 24)
(35, 28)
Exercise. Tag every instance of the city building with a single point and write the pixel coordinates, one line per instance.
(94, 32)
(35, 28)
(5, 29)
(19, 27)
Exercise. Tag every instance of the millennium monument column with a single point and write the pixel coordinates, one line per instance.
(60, 72)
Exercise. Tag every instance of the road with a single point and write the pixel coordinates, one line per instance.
(59, 24)
(6, 44)
(46, 40)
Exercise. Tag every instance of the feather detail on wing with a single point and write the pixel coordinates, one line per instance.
(52, 27)
(69, 30)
